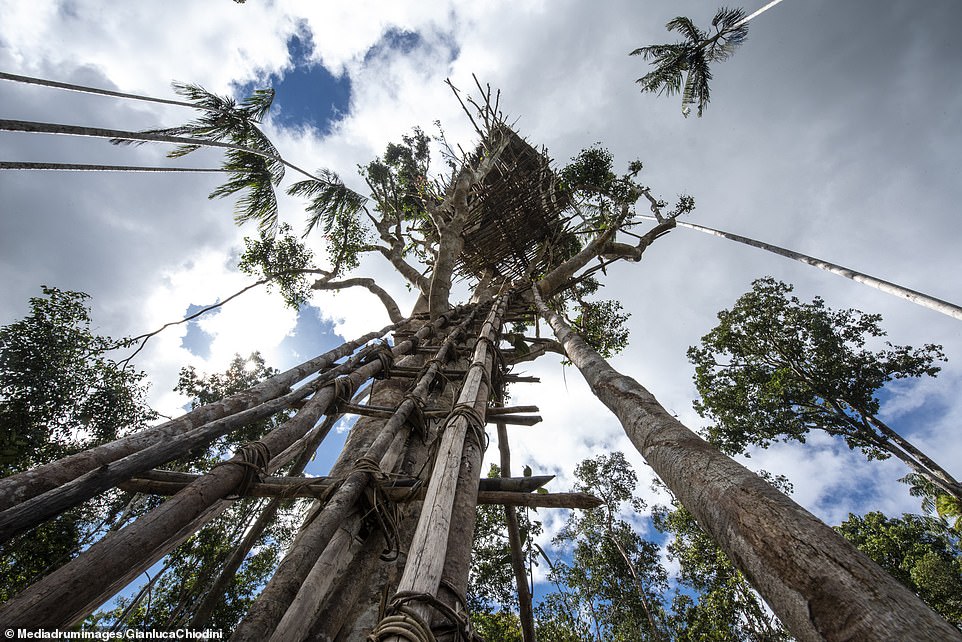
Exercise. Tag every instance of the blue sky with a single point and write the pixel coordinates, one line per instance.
(832, 131)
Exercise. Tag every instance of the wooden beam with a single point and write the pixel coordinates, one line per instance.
(167, 482)
(540, 500)
(517, 420)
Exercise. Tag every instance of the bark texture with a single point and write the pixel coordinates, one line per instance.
(818, 584)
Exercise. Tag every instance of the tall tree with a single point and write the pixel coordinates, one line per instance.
(615, 578)
(757, 526)
(777, 368)
(60, 393)
(714, 601)
(502, 218)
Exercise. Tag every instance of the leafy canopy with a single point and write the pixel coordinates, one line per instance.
(775, 367)
(59, 391)
(920, 553)
(283, 260)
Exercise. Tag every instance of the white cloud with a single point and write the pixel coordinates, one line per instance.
(816, 139)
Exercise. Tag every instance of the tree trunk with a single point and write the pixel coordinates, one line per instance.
(917, 460)
(99, 132)
(86, 167)
(818, 584)
(92, 90)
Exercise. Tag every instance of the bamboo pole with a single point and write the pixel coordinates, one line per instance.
(525, 610)
(22, 486)
(425, 562)
(69, 594)
(164, 482)
(265, 615)
(37, 509)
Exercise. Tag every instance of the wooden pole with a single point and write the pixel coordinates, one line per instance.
(525, 610)
(264, 618)
(23, 486)
(425, 562)
(70, 593)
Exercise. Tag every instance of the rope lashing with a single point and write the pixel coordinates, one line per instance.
(402, 620)
(417, 420)
(343, 391)
(385, 513)
(406, 625)
(461, 607)
(475, 421)
(415, 342)
(438, 380)
(383, 353)
(253, 457)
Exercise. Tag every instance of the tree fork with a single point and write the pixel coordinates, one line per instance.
(818, 584)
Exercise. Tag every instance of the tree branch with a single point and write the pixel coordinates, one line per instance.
(390, 305)
(393, 254)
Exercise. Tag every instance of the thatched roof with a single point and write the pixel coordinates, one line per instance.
(515, 209)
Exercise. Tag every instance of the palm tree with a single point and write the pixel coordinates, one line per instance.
(691, 58)
(888, 287)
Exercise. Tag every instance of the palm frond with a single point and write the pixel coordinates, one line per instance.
(252, 173)
(257, 104)
(334, 207)
(690, 58)
(331, 201)
(730, 35)
(221, 119)
(687, 28)
(670, 63)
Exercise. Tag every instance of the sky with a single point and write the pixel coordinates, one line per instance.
(833, 131)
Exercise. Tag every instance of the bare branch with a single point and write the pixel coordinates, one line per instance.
(390, 305)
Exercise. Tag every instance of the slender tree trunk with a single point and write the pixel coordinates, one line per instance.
(818, 584)
(32, 127)
(888, 287)
(922, 463)
(86, 167)
(525, 611)
(92, 90)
